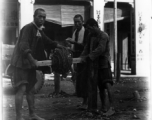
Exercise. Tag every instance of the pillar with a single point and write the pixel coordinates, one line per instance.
(26, 9)
(132, 38)
(142, 37)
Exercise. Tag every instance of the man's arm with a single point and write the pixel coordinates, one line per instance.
(24, 39)
(50, 43)
(85, 50)
(32, 61)
(24, 47)
(103, 38)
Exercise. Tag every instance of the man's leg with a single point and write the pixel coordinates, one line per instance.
(84, 105)
(92, 91)
(111, 110)
(103, 99)
(57, 90)
(73, 78)
(85, 100)
(108, 87)
(57, 79)
(102, 91)
(19, 101)
(30, 100)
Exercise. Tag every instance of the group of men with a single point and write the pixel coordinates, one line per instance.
(88, 42)
(92, 46)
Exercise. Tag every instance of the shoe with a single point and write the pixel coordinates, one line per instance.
(35, 117)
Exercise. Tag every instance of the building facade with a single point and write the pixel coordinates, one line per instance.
(133, 25)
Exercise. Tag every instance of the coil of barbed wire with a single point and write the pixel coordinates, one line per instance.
(62, 61)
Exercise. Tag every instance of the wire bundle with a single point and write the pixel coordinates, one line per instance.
(62, 61)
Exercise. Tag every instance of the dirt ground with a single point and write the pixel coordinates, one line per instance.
(65, 107)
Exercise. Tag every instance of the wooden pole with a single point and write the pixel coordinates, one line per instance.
(116, 54)
(115, 38)
(116, 59)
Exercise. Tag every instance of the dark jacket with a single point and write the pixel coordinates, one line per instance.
(98, 50)
(78, 48)
(30, 42)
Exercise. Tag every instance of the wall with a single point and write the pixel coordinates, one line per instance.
(9, 21)
(142, 30)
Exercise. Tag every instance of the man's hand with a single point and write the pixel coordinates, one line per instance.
(68, 48)
(70, 40)
(84, 58)
(60, 46)
(33, 62)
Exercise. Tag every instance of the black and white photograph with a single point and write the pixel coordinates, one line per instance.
(75, 59)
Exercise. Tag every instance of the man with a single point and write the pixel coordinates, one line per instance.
(78, 39)
(29, 48)
(96, 53)
(78, 42)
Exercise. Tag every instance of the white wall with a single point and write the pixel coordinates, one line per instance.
(26, 12)
(142, 30)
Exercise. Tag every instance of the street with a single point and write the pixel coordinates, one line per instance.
(127, 105)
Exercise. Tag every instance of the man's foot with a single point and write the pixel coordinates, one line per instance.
(93, 112)
(35, 117)
(20, 118)
(104, 110)
(64, 94)
(54, 94)
(74, 94)
(110, 112)
(83, 107)
(58, 94)
(89, 114)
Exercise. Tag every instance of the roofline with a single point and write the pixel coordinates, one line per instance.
(123, 1)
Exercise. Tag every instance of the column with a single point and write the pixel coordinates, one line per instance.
(98, 12)
(142, 37)
(132, 38)
(26, 9)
